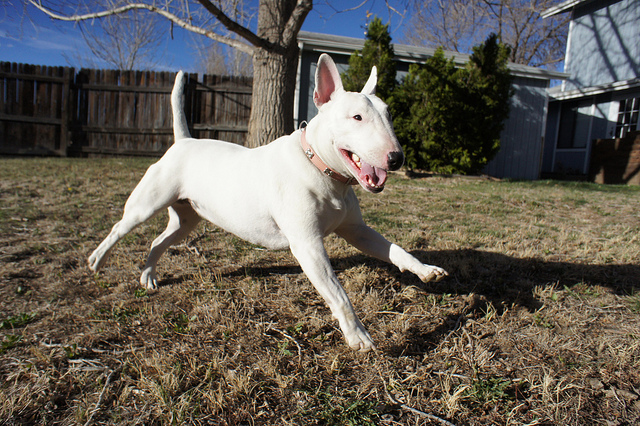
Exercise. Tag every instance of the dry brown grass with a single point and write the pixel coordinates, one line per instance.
(539, 322)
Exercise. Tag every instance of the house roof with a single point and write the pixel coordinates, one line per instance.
(563, 7)
(412, 54)
(557, 94)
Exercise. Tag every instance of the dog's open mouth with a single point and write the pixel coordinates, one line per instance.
(370, 177)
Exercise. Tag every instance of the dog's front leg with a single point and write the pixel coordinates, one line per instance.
(372, 243)
(315, 263)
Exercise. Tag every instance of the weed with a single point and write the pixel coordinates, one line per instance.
(489, 311)
(581, 290)
(441, 300)
(336, 411)
(124, 316)
(121, 315)
(282, 348)
(634, 304)
(542, 321)
(488, 390)
(101, 282)
(179, 322)
(295, 329)
(10, 341)
(591, 292)
(140, 292)
(71, 351)
(69, 191)
(17, 321)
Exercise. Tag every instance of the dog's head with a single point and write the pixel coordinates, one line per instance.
(363, 143)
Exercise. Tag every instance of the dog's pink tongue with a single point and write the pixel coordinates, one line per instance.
(376, 176)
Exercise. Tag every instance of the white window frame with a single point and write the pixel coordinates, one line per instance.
(585, 149)
(614, 111)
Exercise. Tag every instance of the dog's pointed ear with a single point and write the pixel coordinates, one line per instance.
(328, 80)
(372, 83)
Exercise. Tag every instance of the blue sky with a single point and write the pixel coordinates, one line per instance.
(38, 40)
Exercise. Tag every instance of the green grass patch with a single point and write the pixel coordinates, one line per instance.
(491, 389)
(9, 341)
(17, 321)
(338, 411)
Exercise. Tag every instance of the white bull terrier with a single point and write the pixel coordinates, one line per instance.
(290, 193)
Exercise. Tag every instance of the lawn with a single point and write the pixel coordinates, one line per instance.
(538, 322)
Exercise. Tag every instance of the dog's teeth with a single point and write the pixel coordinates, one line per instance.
(356, 160)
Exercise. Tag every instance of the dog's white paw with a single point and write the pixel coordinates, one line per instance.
(359, 340)
(430, 273)
(148, 279)
(95, 261)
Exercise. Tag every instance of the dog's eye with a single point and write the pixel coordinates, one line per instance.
(357, 117)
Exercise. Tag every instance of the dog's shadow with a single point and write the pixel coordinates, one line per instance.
(505, 281)
(495, 278)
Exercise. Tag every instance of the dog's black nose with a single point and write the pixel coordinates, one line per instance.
(395, 160)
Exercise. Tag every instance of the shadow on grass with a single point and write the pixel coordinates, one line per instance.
(496, 278)
(504, 281)
(510, 280)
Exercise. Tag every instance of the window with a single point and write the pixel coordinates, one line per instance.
(575, 122)
(627, 117)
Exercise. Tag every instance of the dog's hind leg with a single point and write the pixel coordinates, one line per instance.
(153, 194)
(182, 220)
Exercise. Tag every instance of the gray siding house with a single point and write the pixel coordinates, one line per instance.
(600, 99)
(522, 140)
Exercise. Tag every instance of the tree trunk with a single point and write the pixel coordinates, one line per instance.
(274, 81)
(275, 64)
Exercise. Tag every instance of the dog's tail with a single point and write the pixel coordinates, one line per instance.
(180, 129)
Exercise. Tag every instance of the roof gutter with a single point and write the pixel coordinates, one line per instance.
(563, 7)
(325, 43)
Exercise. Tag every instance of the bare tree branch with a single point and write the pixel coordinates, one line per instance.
(460, 24)
(126, 42)
(141, 6)
(232, 25)
(302, 9)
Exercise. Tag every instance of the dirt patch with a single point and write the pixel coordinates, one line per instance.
(538, 323)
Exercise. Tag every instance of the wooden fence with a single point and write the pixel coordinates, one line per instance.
(56, 111)
(34, 108)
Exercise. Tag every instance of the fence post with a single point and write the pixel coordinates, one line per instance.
(192, 103)
(65, 117)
